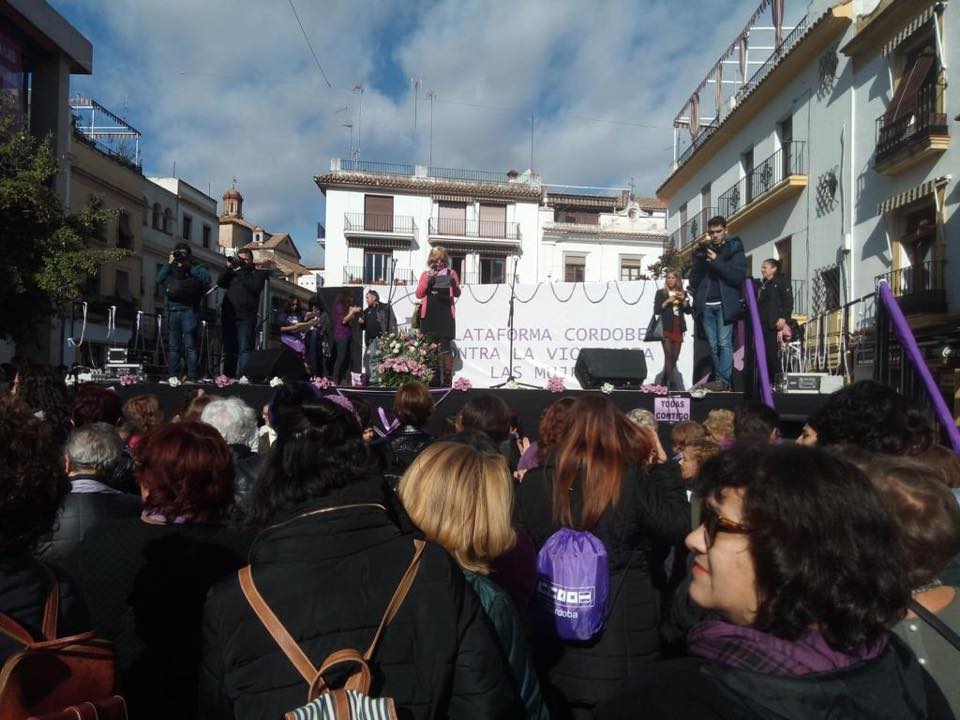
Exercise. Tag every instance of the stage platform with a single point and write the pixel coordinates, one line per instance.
(527, 404)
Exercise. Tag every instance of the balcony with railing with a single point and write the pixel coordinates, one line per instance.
(357, 275)
(776, 179)
(377, 168)
(919, 288)
(469, 175)
(479, 229)
(379, 223)
(692, 230)
(913, 136)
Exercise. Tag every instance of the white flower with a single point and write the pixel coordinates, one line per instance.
(274, 381)
(698, 393)
(70, 380)
(244, 380)
(511, 385)
(173, 381)
(606, 388)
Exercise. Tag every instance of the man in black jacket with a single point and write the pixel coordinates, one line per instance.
(376, 320)
(775, 305)
(243, 283)
(89, 455)
(719, 269)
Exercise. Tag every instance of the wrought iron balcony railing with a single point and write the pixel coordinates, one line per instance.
(492, 229)
(893, 135)
(690, 230)
(788, 160)
(380, 168)
(356, 275)
(380, 222)
(472, 175)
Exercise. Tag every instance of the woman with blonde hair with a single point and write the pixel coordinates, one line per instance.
(671, 302)
(439, 285)
(460, 496)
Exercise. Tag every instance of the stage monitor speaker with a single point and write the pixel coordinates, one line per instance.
(281, 362)
(621, 368)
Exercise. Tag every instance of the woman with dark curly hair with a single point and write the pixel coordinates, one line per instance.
(32, 486)
(803, 566)
(145, 578)
(95, 403)
(552, 425)
(871, 416)
(41, 389)
(335, 545)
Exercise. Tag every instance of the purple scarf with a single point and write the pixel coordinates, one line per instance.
(747, 648)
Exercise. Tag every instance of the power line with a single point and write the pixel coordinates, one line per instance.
(315, 58)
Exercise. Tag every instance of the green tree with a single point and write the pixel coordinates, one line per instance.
(46, 258)
(671, 259)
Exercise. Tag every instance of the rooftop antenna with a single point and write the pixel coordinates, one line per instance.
(358, 88)
(431, 96)
(417, 82)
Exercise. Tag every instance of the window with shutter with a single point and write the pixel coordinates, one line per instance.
(493, 220)
(378, 213)
(452, 219)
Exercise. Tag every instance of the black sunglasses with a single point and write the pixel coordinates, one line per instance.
(713, 523)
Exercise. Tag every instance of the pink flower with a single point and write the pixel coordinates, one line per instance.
(128, 379)
(322, 383)
(223, 381)
(555, 384)
(462, 384)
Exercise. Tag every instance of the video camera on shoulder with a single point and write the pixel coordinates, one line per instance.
(181, 255)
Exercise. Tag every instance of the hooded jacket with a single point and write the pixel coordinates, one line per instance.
(329, 577)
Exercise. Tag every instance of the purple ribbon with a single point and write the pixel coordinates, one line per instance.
(766, 394)
(388, 427)
(909, 343)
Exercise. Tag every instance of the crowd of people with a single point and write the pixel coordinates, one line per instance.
(230, 554)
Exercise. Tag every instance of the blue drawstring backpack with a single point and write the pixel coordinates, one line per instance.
(573, 585)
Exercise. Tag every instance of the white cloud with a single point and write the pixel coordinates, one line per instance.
(228, 88)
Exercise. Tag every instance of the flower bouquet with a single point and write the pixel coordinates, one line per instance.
(405, 355)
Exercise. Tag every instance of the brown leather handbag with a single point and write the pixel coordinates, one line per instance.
(55, 678)
(352, 699)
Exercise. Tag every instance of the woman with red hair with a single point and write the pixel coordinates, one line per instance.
(595, 479)
(145, 579)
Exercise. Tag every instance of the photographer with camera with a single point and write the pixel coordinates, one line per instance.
(186, 282)
(716, 278)
(243, 282)
(437, 288)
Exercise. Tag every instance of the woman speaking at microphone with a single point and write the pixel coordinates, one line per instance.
(438, 286)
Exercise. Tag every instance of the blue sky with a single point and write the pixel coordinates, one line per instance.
(228, 88)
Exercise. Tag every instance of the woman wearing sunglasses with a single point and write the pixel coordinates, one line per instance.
(800, 566)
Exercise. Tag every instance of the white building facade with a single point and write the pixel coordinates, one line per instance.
(834, 156)
(383, 219)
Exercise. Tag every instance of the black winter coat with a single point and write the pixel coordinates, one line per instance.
(24, 584)
(145, 586)
(329, 578)
(729, 270)
(80, 512)
(246, 468)
(891, 687)
(586, 673)
(774, 301)
(242, 300)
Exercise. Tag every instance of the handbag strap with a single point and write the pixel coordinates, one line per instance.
(936, 623)
(282, 636)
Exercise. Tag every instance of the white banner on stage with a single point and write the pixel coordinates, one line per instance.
(552, 323)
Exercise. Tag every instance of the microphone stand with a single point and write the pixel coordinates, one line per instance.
(510, 315)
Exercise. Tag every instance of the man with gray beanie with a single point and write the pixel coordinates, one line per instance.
(90, 453)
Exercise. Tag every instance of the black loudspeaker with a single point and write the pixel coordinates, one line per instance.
(281, 362)
(620, 368)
